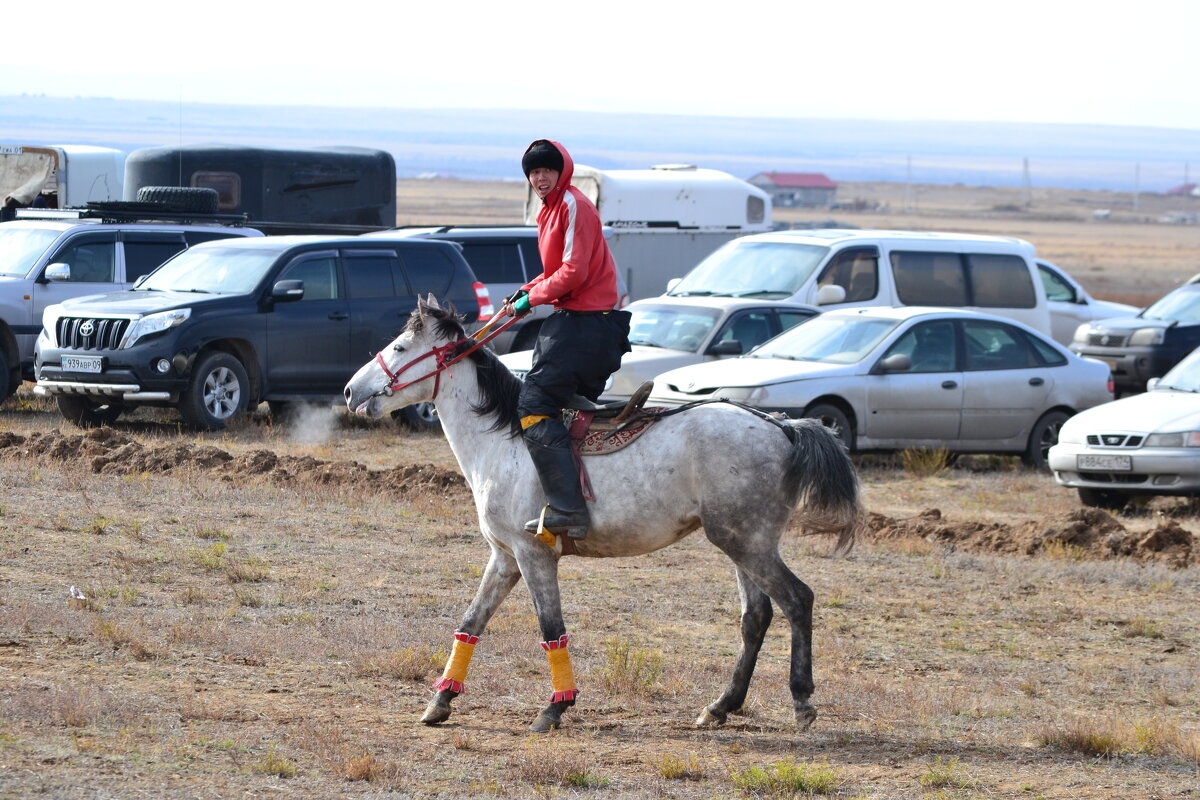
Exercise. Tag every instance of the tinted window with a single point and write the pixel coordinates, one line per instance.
(1046, 353)
(196, 237)
(429, 270)
(931, 346)
(319, 276)
(856, 270)
(1000, 281)
(228, 186)
(370, 274)
(788, 319)
(533, 259)
(92, 259)
(751, 328)
(929, 279)
(1056, 288)
(994, 346)
(143, 255)
(494, 263)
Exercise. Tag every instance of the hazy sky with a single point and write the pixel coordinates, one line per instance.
(1047, 61)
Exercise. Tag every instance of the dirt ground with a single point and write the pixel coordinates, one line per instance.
(260, 612)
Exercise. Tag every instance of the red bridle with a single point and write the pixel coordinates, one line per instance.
(444, 356)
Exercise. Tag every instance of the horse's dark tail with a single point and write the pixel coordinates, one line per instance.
(820, 477)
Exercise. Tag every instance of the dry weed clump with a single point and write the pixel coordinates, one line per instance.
(1108, 738)
(630, 668)
(925, 462)
(415, 663)
(945, 773)
(272, 763)
(553, 764)
(134, 641)
(786, 779)
(675, 768)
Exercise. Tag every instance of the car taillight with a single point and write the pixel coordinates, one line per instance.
(484, 300)
(1112, 387)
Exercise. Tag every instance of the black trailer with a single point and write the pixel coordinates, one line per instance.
(317, 190)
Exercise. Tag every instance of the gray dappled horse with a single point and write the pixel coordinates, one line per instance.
(716, 466)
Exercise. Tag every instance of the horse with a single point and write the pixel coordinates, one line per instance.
(737, 474)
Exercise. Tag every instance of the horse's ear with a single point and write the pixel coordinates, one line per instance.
(432, 303)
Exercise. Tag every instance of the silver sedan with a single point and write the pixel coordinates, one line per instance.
(896, 378)
(1148, 444)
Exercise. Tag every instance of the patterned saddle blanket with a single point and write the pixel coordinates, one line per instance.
(592, 436)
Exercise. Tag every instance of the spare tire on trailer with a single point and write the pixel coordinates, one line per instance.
(186, 199)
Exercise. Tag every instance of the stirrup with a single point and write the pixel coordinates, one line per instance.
(538, 528)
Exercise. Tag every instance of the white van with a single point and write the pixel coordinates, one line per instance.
(667, 218)
(846, 268)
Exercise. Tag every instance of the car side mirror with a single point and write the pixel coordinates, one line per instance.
(58, 272)
(1152, 384)
(728, 347)
(832, 293)
(287, 291)
(897, 362)
(671, 284)
(141, 279)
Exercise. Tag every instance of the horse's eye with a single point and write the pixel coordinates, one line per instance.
(398, 348)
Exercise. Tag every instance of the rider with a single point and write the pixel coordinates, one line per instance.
(579, 345)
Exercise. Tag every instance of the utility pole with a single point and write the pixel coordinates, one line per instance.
(1026, 199)
(1137, 179)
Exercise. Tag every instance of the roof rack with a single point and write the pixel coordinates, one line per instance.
(129, 211)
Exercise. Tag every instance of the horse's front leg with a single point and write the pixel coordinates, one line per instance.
(500, 576)
(539, 567)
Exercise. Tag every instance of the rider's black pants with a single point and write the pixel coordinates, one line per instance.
(575, 353)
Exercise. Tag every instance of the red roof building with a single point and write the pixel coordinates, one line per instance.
(796, 188)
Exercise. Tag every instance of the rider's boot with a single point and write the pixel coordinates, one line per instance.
(566, 511)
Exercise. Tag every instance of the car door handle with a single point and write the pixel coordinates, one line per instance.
(1036, 381)
(949, 384)
(339, 315)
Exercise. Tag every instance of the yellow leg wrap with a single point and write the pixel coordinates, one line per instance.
(531, 420)
(562, 676)
(455, 674)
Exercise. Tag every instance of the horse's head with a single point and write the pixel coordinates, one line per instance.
(393, 379)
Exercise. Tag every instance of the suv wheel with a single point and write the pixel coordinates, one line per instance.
(418, 417)
(87, 413)
(219, 391)
(7, 385)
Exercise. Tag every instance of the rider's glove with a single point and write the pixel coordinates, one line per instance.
(521, 304)
(515, 296)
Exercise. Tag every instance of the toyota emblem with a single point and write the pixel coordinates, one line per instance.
(87, 328)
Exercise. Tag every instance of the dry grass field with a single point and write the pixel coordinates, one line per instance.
(260, 612)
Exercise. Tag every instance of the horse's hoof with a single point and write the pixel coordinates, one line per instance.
(708, 719)
(436, 712)
(805, 716)
(544, 723)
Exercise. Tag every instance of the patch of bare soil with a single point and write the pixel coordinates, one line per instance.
(1081, 533)
(112, 452)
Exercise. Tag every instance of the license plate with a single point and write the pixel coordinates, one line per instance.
(82, 363)
(1115, 463)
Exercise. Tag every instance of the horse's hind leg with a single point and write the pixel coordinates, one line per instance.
(500, 576)
(756, 618)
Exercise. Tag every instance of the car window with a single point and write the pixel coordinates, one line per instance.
(831, 338)
(21, 247)
(1000, 281)
(751, 328)
(144, 254)
(92, 258)
(371, 274)
(429, 270)
(994, 346)
(196, 237)
(1181, 305)
(494, 263)
(856, 270)
(931, 346)
(673, 328)
(770, 270)
(1056, 287)
(533, 259)
(788, 319)
(929, 279)
(319, 275)
(212, 269)
(1048, 355)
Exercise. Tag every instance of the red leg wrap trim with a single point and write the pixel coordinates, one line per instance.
(562, 697)
(449, 683)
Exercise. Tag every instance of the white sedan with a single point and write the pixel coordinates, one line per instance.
(1147, 444)
(669, 332)
(895, 378)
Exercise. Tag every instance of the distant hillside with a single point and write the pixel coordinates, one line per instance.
(488, 144)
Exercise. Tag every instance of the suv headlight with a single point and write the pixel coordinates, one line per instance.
(154, 323)
(50, 317)
(1081, 333)
(1145, 336)
(1184, 439)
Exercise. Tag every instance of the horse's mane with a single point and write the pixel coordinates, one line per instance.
(499, 389)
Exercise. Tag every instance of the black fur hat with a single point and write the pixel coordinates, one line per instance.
(541, 154)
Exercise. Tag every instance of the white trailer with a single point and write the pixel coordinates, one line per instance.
(63, 176)
(666, 219)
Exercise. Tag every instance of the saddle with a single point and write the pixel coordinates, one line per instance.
(598, 429)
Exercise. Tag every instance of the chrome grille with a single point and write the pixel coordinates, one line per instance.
(90, 333)
(1106, 339)
(1114, 440)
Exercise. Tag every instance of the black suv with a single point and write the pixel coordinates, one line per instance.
(225, 325)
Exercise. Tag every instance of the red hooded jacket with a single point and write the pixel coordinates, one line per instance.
(578, 272)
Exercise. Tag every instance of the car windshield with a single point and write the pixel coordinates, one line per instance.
(1184, 376)
(1181, 305)
(769, 270)
(830, 338)
(211, 270)
(672, 327)
(20, 248)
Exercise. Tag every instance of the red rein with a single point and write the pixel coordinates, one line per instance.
(442, 356)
